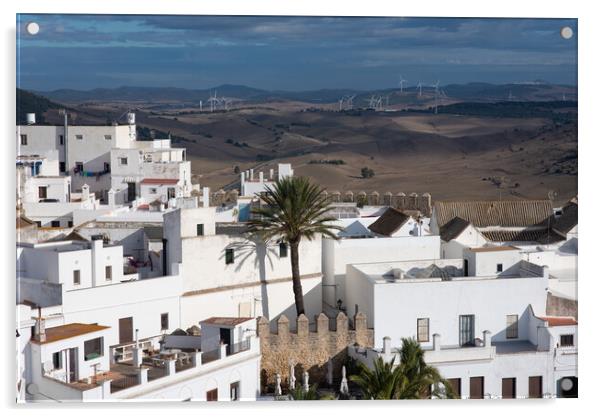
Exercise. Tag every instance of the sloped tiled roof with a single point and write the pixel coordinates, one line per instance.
(540, 235)
(504, 213)
(453, 229)
(568, 219)
(23, 222)
(389, 222)
(559, 321)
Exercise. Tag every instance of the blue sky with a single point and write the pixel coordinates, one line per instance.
(288, 53)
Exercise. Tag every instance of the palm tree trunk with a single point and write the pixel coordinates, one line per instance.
(297, 288)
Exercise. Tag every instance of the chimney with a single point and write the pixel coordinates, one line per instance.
(206, 192)
(85, 192)
(31, 118)
(436, 341)
(111, 197)
(252, 174)
(271, 174)
(97, 270)
(546, 271)
(487, 338)
(40, 329)
(387, 346)
(261, 177)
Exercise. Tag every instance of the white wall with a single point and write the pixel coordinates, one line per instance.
(336, 255)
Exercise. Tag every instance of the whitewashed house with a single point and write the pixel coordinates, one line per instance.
(482, 322)
(251, 185)
(226, 273)
(393, 236)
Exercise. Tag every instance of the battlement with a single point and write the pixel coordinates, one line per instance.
(400, 201)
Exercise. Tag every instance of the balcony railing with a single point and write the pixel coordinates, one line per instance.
(238, 347)
(124, 382)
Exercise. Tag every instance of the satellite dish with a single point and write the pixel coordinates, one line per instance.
(32, 389)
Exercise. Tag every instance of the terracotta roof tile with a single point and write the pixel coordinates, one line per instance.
(67, 331)
(559, 321)
(389, 222)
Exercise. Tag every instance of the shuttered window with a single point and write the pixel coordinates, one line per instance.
(477, 387)
(456, 386)
(467, 330)
(512, 326)
(212, 395)
(535, 387)
(423, 330)
(508, 387)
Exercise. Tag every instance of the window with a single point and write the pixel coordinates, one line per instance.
(456, 386)
(23, 139)
(423, 330)
(212, 395)
(107, 167)
(229, 256)
(153, 191)
(566, 340)
(283, 250)
(108, 137)
(164, 321)
(467, 330)
(55, 223)
(234, 391)
(79, 167)
(477, 384)
(76, 277)
(535, 387)
(508, 387)
(43, 192)
(93, 348)
(70, 223)
(57, 360)
(108, 272)
(62, 166)
(38, 223)
(79, 137)
(512, 326)
(200, 229)
(61, 140)
(123, 161)
(500, 267)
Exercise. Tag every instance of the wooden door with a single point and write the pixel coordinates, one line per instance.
(456, 385)
(476, 387)
(535, 387)
(212, 395)
(508, 387)
(126, 330)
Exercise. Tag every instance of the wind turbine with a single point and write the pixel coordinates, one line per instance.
(419, 88)
(401, 81)
(341, 100)
(213, 101)
(201, 104)
(436, 87)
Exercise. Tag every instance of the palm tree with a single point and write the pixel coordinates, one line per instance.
(411, 379)
(294, 208)
(380, 383)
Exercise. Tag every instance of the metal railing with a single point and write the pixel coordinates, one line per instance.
(238, 347)
(126, 381)
(211, 356)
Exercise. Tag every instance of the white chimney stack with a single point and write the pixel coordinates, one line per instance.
(85, 192)
(31, 118)
(206, 191)
(261, 176)
(271, 174)
(436, 342)
(252, 174)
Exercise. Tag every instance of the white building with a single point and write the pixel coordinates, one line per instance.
(394, 236)
(72, 283)
(226, 273)
(484, 327)
(251, 185)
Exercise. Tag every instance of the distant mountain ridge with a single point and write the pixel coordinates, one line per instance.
(529, 91)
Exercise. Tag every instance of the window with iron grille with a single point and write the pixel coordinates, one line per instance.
(165, 321)
(283, 250)
(76, 277)
(512, 326)
(200, 229)
(23, 139)
(566, 340)
(79, 137)
(108, 272)
(423, 330)
(229, 256)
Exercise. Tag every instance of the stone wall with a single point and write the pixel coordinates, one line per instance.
(308, 350)
(399, 201)
(558, 306)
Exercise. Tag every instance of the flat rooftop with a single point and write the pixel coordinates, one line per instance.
(67, 331)
(225, 321)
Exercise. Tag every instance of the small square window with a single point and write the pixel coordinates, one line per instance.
(108, 137)
(229, 256)
(79, 137)
(423, 330)
(57, 362)
(108, 272)
(62, 166)
(165, 321)
(123, 161)
(283, 250)
(76, 277)
(61, 140)
(70, 223)
(566, 340)
(55, 223)
(79, 167)
(200, 229)
(42, 192)
(23, 139)
(153, 191)
(500, 267)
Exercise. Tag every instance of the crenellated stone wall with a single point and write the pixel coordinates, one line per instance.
(399, 201)
(308, 350)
